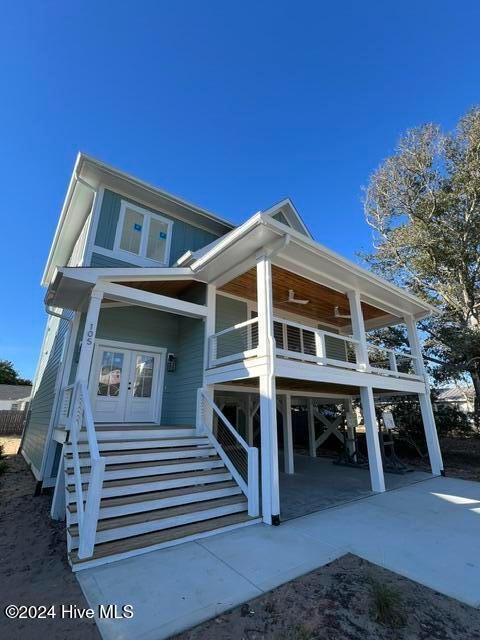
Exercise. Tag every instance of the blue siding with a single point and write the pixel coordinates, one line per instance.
(179, 406)
(229, 312)
(184, 236)
(177, 334)
(99, 260)
(41, 406)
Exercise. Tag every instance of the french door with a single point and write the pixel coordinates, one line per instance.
(126, 383)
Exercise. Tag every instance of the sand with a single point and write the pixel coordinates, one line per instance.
(33, 563)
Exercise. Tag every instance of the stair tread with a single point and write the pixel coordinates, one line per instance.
(139, 427)
(156, 495)
(151, 463)
(107, 484)
(157, 537)
(160, 514)
(127, 452)
(144, 439)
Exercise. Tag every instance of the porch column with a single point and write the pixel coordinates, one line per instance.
(250, 414)
(208, 331)
(428, 417)
(89, 332)
(373, 445)
(288, 434)
(350, 420)
(358, 329)
(268, 398)
(311, 429)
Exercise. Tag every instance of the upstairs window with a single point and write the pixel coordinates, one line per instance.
(142, 237)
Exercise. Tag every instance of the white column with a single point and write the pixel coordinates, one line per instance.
(350, 430)
(428, 417)
(88, 340)
(250, 414)
(373, 444)
(57, 510)
(268, 400)
(209, 330)
(311, 429)
(358, 329)
(288, 435)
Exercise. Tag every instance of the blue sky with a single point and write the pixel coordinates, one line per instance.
(230, 105)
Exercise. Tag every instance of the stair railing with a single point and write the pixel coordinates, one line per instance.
(87, 509)
(239, 458)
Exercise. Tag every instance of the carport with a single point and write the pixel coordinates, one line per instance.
(323, 460)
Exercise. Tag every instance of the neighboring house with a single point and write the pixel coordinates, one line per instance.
(160, 315)
(14, 397)
(461, 398)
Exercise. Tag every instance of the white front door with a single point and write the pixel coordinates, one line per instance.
(126, 384)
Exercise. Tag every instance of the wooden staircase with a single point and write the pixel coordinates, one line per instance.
(162, 486)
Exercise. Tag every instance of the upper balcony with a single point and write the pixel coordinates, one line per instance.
(304, 343)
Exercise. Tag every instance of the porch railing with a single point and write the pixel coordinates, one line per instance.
(308, 344)
(233, 344)
(301, 342)
(391, 362)
(239, 458)
(76, 411)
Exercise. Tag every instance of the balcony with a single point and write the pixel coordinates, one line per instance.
(306, 344)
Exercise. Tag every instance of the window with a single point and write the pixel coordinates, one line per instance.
(142, 237)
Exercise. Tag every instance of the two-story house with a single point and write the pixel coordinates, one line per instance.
(159, 314)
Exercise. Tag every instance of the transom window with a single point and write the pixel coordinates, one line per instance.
(142, 235)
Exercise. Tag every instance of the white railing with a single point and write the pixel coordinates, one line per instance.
(308, 344)
(301, 342)
(80, 414)
(392, 362)
(239, 458)
(233, 344)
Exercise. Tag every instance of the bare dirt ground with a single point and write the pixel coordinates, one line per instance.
(33, 565)
(461, 458)
(337, 602)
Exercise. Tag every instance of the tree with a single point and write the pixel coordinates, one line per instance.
(423, 204)
(8, 374)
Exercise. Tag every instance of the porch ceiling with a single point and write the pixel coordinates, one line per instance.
(307, 386)
(173, 288)
(322, 299)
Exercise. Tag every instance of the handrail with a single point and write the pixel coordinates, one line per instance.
(87, 510)
(233, 343)
(250, 484)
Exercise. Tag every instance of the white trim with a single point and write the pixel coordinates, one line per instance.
(92, 232)
(141, 257)
(131, 346)
(154, 300)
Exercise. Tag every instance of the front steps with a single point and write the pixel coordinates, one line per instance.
(162, 486)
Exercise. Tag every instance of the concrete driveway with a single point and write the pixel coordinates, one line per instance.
(429, 532)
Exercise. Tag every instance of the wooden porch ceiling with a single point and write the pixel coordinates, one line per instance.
(322, 300)
(308, 386)
(164, 287)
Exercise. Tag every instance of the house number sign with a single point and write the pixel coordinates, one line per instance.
(90, 335)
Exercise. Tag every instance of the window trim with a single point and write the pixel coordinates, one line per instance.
(141, 257)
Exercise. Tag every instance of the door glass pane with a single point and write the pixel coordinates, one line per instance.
(157, 240)
(132, 231)
(110, 374)
(142, 386)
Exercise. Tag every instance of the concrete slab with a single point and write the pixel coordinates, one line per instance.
(318, 484)
(428, 532)
(170, 590)
(270, 556)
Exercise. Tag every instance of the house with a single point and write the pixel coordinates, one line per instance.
(14, 397)
(175, 347)
(461, 398)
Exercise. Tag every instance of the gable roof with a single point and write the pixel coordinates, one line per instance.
(88, 175)
(286, 213)
(14, 391)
